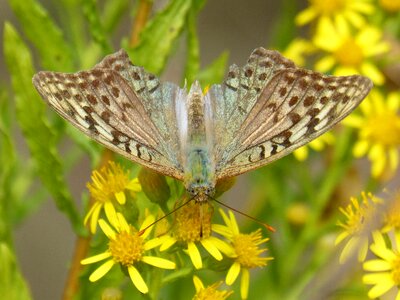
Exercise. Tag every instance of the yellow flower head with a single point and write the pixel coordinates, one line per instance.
(385, 270)
(318, 145)
(357, 215)
(193, 225)
(127, 248)
(106, 189)
(336, 12)
(392, 215)
(247, 252)
(379, 132)
(209, 292)
(392, 6)
(347, 53)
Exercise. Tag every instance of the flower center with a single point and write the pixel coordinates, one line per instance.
(126, 248)
(390, 5)
(247, 251)
(328, 7)
(384, 129)
(396, 270)
(349, 53)
(110, 180)
(193, 222)
(211, 293)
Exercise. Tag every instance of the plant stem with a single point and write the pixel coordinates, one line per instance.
(142, 16)
(81, 248)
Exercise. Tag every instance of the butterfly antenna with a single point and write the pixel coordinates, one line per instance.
(166, 215)
(265, 225)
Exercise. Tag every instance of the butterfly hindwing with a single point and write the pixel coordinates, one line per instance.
(103, 104)
(234, 98)
(294, 107)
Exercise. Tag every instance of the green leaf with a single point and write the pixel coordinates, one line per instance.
(44, 34)
(113, 10)
(157, 38)
(32, 120)
(12, 283)
(96, 28)
(215, 72)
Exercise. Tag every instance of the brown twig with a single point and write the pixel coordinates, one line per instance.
(141, 18)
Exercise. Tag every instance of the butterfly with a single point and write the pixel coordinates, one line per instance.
(260, 113)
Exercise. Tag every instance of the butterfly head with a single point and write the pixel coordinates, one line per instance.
(200, 191)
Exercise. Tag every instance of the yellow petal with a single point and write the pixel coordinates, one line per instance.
(301, 153)
(234, 226)
(222, 230)
(121, 198)
(149, 219)
(95, 258)
(244, 284)
(393, 158)
(195, 255)
(137, 280)
(381, 288)
(373, 73)
(210, 247)
(122, 223)
(377, 265)
(95, 217)
(198, 284)
(111, 214)
(325, 64)
(159, 262)
(153, 243)
(101, 271)
(222, 246)
(168, 242)
(360, 148)
(108, 231)
(393, 101)
(233, 273)
(134, 185)
(305, 16)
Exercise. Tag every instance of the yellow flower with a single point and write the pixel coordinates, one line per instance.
(358, 217)
(127, 248)
(390, 5)
(385, 270)
(193, 225)
(246, 253)
(210, 292)
(348, 53)
(379, 131)
(318, 145)
(336, 12)
(391, 217)
(107, 189)
(298, 49)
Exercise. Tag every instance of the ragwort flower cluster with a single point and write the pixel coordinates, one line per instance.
(132, 246)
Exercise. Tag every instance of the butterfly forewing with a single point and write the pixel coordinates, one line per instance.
(295, 107)
(260, 113)
(105, 105)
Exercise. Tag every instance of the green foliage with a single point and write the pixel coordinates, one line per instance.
(158, 37)
(32, 120)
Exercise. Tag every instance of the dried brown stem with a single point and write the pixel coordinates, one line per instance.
(141, 18)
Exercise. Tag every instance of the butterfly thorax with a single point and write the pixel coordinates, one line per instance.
(199, 166)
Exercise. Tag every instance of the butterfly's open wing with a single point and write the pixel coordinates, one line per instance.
(294, 107)
(120, 106)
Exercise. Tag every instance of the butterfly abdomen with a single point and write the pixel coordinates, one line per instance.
(199, 160)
